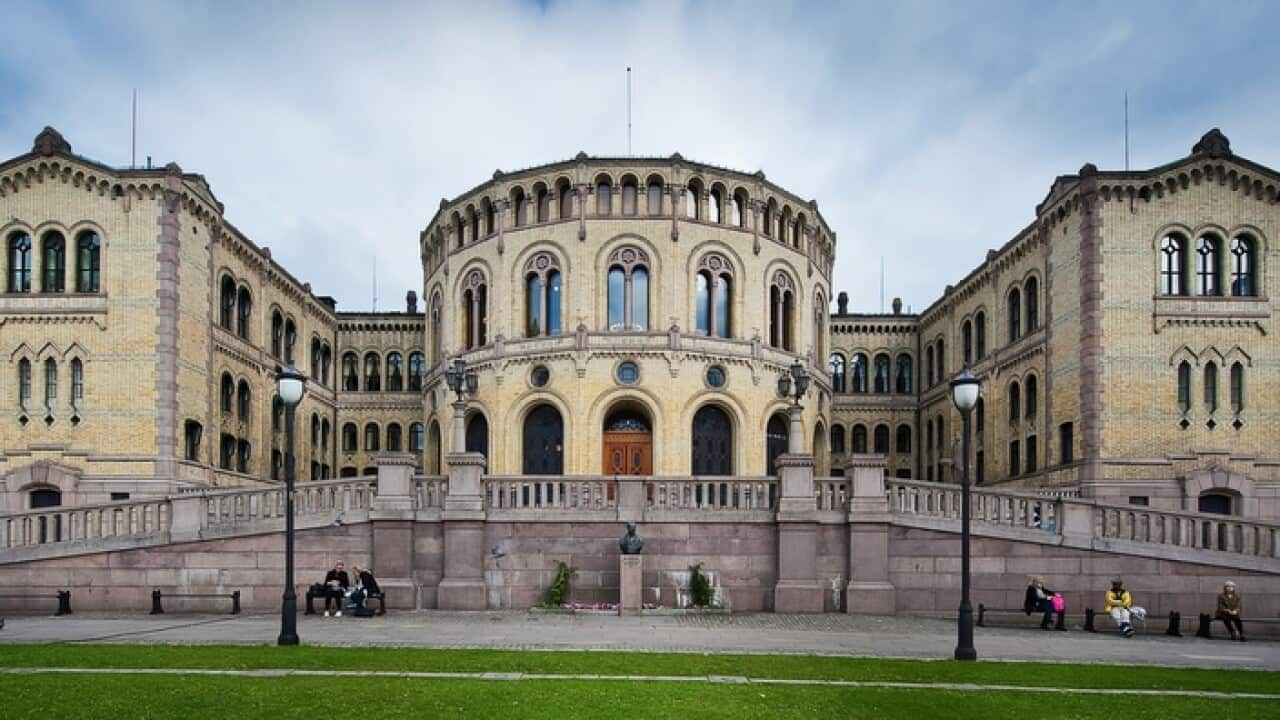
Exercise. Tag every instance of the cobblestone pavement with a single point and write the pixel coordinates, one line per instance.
(829, 634)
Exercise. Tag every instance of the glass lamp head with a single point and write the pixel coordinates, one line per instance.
(290, 385)
(964, 390)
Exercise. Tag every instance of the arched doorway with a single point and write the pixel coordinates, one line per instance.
(478, 435)
(776, 438)
(543, 442)
(627, 441)
(1215, 502)
(821, 458)
(712, 444)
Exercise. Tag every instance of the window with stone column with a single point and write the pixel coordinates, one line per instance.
(714, 295)
(628, 289)
(782, 301)
(475, 308)
(543, 295)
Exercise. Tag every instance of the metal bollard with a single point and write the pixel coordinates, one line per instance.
(1088, 620)
(155, 603)
(64, 602)
(1206, 626)
(982, 612)
(1061, 624)
(235, 603)
(1175, 624)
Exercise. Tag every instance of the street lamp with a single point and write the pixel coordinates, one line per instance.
(460, 379)
(792, 385)
(964, 393)
(290, 385)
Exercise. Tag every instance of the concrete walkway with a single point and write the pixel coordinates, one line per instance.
(830, 634)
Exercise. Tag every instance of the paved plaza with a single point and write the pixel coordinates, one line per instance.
(829, 634)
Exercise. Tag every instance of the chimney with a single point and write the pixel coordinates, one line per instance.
(842, 302)
(897, 306)
(411, 302)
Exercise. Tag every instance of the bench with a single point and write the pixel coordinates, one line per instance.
(316, 591)
(63, 597)
(157, 609)
(984, 611)
(1207, 620)
(1174, 629)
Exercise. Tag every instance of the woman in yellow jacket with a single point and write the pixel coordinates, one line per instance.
(1118, 605)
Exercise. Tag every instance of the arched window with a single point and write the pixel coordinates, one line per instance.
(191, 434)
(1032, 292)
(543, 436)
(417, 371)
(50, 383)
(77, 382)
(604, 196)
(654, 193)
(543, 295)
(477, 435)
(19, 262)
(715, 201)
(628, 289)
(766, 222)
(629, 192)
(776, 439)
(1211, 387)
(315, 358)
(227, 302)
(564, 191)
(326, 359)
(475, 308)
(290, 339)
(1172, 254)
(904, 374)
(1242, 272)
(928, 438)
(882, 375)
(394, 438)
(243, 401)
(372, 372)
(714, 285)
(417, 437)
(966, 340)
(315, 432)
(858, 373)
(277, 334)
(980, 331)
(979, 416)
(1208, 262)
(228, 393)
(54, 253)
(371, 437)
(349, 438)
(277, 413)
(882, 439)
(942, 361)
(520, 203)
(836, 364)
(693, 201)
(1184, 387)
(928, 367)
(739, 214)
(490, 217)
(1031, 393)
(244, 310)
(543, 203)
(350, 373)
(473, 221)
(1237, 387)
(459, 231)
(837, 439)
(782, 311)
(1015, 315)
(858, 439)
(903, 444)
(324, 435)
(89, 262)
(712, 442)
(395, 372)
(1015, 402)
(436, 326)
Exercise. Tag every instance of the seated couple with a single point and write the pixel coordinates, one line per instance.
(1041, 599)
(337, 586)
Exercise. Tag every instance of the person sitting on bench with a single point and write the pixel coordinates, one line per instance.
(366, 585)
(1120, 605)
(1229, 610)
(1039, 599)
(336, 583)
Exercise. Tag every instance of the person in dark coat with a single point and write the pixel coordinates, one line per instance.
(1039, 599)
(336, 583)
(366, 585)
(1229, 609)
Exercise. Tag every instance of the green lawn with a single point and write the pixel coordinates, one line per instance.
(375, 698)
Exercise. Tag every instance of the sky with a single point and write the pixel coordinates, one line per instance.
(926, 131)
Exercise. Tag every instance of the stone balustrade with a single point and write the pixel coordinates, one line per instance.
(1025, 510)
(46, 526)
(551, 492)
(709, 493)
(429, 491)
(832, 493)
(1204, 531)
(226, 508)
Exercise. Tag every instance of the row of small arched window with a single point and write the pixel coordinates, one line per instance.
(53, 262)
(854, 379)
(373, 438)
(880, 438)
(50, 383)
(1210, 386)
(373, 375)
(1022, 321)
(1207, 266)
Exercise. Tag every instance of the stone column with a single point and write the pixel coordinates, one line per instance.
(798, 588)
(391, 517)
(187, 517)
(462, 586)
(869, 590)
(795, 439)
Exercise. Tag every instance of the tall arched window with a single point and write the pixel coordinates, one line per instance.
(459, 231)
(904, 374)
(77, 382)
(1211, 387)
(490, 212)
(315, 432)
(836, 363)
(858, 371)
(394, 438)
(604, 196)
(979, 416)
(349, 438)
(628, 289)
(244, 400)
(693, 200)
(770, 212)
(837, 439)
(1031, 392)
(1242, 272)
(19, 262)
(244, 310)
(882, 373)
(1237, 387)
(1172, 261)
(371, 437)
(858, 439)
(929, 369)
(417, 371)
(290, 339)
(350, 373)
(227, 302)
(88, 262)
(980, 332)
(1031, 291)
(712, 442)
(436, 327)
(629, 192)
(228, 393)
(315, 358)
(782, 311)
(54, 253)
(1015, 402)
(1184, 387)
(715, 202)
(542, 203)
(50, 383)
(564, 191)
(882, 439)
(326, 360)
(475, 308)
(776, 438)
(942, 361)
(543, 295)
(520, 203)
(324, 435)
(966, 340)
(395, 372)
(714, 285)
(277, 413)
(1015, 315)
(739, 214)
(472, 222)
(903, 444)
(477, 435)
(654, 193)
(417, 437)
(277, 334)
(372, 372)
(1208, 264)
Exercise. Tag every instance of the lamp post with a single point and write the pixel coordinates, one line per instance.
(792, 385)
(290, 384)
(964, 393)
(463, 382)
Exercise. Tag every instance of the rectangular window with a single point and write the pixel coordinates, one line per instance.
(1139, 500)
(1066, 442)
(1015, 458)
(904, 473)
(192, 433)
(118, 496)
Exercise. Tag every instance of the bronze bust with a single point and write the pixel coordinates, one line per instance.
(631, 543)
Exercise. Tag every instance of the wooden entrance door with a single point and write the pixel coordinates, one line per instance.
(628, 452)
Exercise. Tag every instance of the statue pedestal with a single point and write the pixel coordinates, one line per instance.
(629, 591)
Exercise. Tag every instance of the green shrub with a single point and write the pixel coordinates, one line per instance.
(699, 587)
(558, 592)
